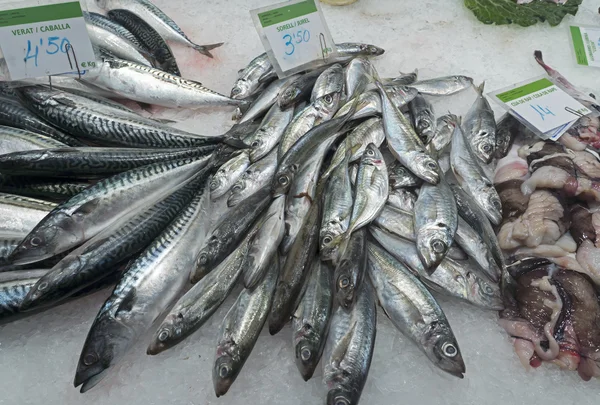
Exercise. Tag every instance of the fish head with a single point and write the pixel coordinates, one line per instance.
(331, 240)
(168, 334)
(487, 295)
(289, 96)
(237, 193)
(240, 90)
(400, 176)
(463, 81)
(56, 233)
(282, 181)
(308, 350)
(106, 343)
(370, 50)
(205, 260)
(228, 364)
(433, 244)
(442, 348)
(484, 145)
(345, 286)
(329, 104)
(101, 3)
(258, 146)
(341, 396)
(428, 168)
(372, 156)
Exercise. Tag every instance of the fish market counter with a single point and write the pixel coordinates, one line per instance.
(39, 354)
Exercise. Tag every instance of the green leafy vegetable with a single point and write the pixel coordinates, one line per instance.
(508, 11)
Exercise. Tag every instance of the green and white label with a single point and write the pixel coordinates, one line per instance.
(542, 104)
(45, 40)
(586, 43)
(294, 34)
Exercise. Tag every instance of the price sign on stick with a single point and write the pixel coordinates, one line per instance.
(45, 40)
(295, 35)
(586, 44)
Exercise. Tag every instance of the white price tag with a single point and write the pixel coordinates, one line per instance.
(45, 40)
(586, 44)
(294, 35)
(543, 105)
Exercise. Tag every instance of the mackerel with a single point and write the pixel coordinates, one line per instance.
(18, 140)
(19, 215)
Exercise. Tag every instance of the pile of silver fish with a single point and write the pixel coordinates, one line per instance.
(550, 194)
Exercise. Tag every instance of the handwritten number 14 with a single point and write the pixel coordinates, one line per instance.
(53, 46)
(297, 38)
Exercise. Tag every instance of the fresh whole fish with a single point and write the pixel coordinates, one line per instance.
(347, 51)
(166, 27)
(350, 270)
(506, 131)
(270, 131)
(89, 162)
(403, 79)
(14, 286)
(148, 38)
(299, 88)
(115, 44)
(472, 178)
(294, 272)
(148, 286)
(403, 199)
(103, 124)
(240, 330)
(229, 232)
(337, 210)
(474, 245)
(13, 114)
(358, 74)
(100, 256)
(258, 71)
(19, 215)
(154, 86)
(109, 23)
(228, 174)
(349, 348)
(456, 279)
(43, 188)
(401, 177)
(414, 311)
(328, 82)
(443, 86)
(310, 322)
(257, 176)
(7, 246)
(404, 143)
(479, 128)
(423, 118)
(18, 140)
(86, 214)
(372, 188)
(369, 131)
(396, 221)
(369, 102)
(267, 99)
(436, 219)
(443, 135)
(263, 246)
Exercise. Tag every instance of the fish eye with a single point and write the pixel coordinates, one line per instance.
(254, 144)
(236, 187)
(487, 148)
(43, 285)
(488, 289)
(214, 185)
(438, 246)
(305, 354)
(164, 335)
(224, 371)
(424, 124)
(328, 99)
(370, 152)
(35, 241)
(283, 180)
(401, 170)
(203, 259)
(449, 349)
(344, 282)
(327, 240)
(432, 165)
(90, 359)
(341, 401)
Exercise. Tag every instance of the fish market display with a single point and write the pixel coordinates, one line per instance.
(335, 191)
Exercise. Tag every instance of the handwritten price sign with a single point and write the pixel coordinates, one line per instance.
(294, 35)
(45, 40)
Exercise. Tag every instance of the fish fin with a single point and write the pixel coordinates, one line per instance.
(205, 49)
(240, 72)
(146, 107)
(87, 208)
(64, 101)
(164, 121)
(265, 77)
(126, 304)
(340, 350)
(480, 88)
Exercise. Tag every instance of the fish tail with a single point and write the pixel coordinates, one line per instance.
(480, 88)
(205, 49)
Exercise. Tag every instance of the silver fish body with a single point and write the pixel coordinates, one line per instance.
(443, 86)
(310, 322)
(405, 144)
(328, 82)
(14, 286)
(396, 221)
(19, 215)
(154, 86)
(113, 26)
(479, 127)
(436, 219)
(369, 103)
(473, 179)
(116, 45)
(262, 251)
(401, 177)
(147, 288)
(349, 348)
(403, 199)
(240, 330)
(350, 270)
(442, 137)
(414, 311)
(251, 77)
(228, 174)
(266, 99)
(423, 117)
(257, 176)
(358, 73)
(18, 140)
(269, 133)
(474, 245)
(298, 89)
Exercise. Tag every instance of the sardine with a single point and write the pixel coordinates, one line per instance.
(256, 177)
(266, 99)
(330, 81)
(414, 311)
(423, 118)
(299, 88)
(401, 177)
(443, 86)
(369, 102)
(442, 135)
(165, 26)
(258, 71)
(479, 128)
(358, 74)
(241, 328)
(310, 322)
(228, 174)
(269, 133)
(474, 245)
